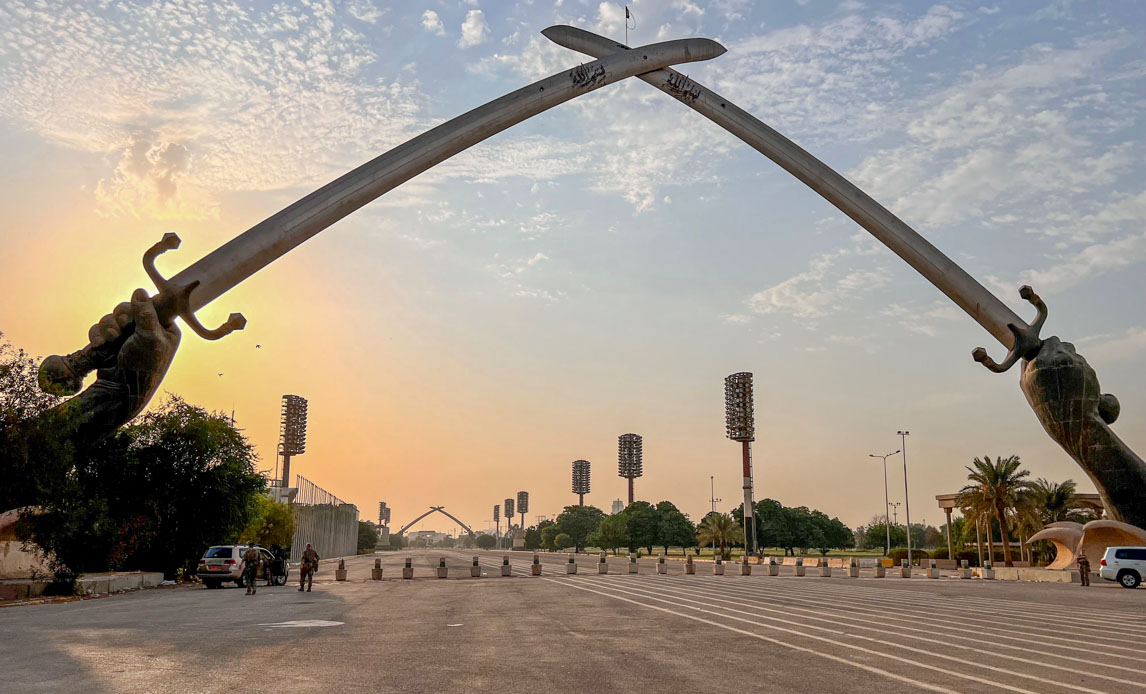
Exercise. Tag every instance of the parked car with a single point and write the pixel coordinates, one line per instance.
(220, 565)
(1127, 565)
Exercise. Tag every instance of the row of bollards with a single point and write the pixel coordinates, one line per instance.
(773, 568)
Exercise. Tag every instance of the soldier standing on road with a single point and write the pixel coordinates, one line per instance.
(1084, 567)
(252, 562)
(308, 567)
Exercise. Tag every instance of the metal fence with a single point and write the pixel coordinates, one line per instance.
(323, 520)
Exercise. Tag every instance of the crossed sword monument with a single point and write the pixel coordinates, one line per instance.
(1058, 383)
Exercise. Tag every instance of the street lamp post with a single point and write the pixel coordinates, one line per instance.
(886, 505)
(895, 512)
(906, 499)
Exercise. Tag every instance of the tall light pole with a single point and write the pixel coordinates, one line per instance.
(581, 480)
(886, 505)
(522, 507)
(497, 521)
(712, 492)
(739, 422)
(630, 459)
(507, 507)
(292, 432)
(906, 499)
(895, 511)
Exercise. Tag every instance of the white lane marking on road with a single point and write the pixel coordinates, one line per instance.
(454, 625)
(679, 591)
(301, 624)
(858, 613)
(843, 644)
(778, 642)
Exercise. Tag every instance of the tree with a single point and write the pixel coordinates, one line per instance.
(152, 496)
(578, 522)
(772, 525)
(533, 539)
(367, 537)
(997, 486)
(643, 524)
(612, 533)
(273, 525)
(674, 529)
(829, 533)
(485, 541)
(547, 534)
(562, 541)
(721, 529)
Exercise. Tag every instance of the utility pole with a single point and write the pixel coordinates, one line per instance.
(895, 512)
(886, 526)
(712, 493)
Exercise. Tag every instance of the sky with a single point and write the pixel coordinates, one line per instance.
(600, 268)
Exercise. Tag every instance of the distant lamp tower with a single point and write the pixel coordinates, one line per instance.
(522, 506)
(630, 458)
(497, 520)
(739, 420)
(507, 507)
(292, 433)
(383, 513)
(581, 479)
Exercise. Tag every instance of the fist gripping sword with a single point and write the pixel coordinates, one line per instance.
(145, 326)
(1057, 382)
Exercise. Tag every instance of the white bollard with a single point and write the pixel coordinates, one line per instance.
(773, 567)
(571, 566)
(506, 569)
(475, 570)
(988, 571)
(825, 570)
(964, 569)
(879, 570)
(904, 569)
(442, 567)
(853, 568)
(633, 566)
(602, 565)
(662, 567)
(799, 566)
(408, 569)
(932, 569)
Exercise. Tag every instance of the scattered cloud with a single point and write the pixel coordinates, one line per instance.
(736, 318)
(474, 30)
(818, 291)
(1115, 348)
(432, 23)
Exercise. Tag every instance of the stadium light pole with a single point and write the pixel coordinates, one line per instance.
(507, 508)
(630, 459)
(581, 480)
(740, 425)
(903, 434)
(522, 507)
(497, 521)
(886, 504)
(292, 432)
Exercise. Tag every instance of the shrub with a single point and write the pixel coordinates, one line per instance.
(898, 554)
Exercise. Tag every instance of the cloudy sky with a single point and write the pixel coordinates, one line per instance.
(600, 268)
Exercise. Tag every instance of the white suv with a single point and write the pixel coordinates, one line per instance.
(221, 565)
(1127, 565)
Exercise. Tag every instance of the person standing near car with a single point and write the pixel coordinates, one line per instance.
(249, 569)
(307, 568)
(1084, 567)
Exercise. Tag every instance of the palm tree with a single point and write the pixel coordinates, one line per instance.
(996, 485)
(1056, 499)
(719, 528)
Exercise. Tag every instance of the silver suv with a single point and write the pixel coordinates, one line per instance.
(221, 565)
(1127, 565)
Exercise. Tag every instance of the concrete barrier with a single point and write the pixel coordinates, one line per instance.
(825, 568)
(571, 565)
(442, 569)
(689, 567)
(745, 567)
(633, 566)
(718, 568)
(475, 569)
(376, 572)
(535, 567)
(773, 567)
(799, 565)
(662, 566)
(853, 569)
(408, 569)
(932, 568)
(340, 572)
(506, 569)
(947, 564)
(904, 569)
(878, 571)
(987, 572)
(602, 564)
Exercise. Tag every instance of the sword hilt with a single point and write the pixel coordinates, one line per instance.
(1027, 339)
(64, 374)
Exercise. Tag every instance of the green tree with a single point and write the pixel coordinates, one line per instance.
(485, 541)
(533, 539)
(772, 525)
(563, 541)
(547, 534)
(272, 526)
(830, 533)
(367, 537)
(644, 525)
(578, 522)
(674, 529)
(152, 496)
(997, 486)
(613, 532)
(720, 529)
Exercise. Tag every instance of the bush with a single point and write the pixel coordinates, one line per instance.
(486, 541)
(972, 556)
(898, 554)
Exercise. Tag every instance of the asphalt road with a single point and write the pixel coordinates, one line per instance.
(588, 632)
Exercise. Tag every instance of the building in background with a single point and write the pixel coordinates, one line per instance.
(618, 506)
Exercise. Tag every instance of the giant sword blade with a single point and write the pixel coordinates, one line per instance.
(206, 279)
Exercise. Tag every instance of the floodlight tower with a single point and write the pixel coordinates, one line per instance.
(292, 432)
(522, 507)
(383, 513)
(497, 520)
(630, 459)
(740, 425)
(581, 479)
(507, 506)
